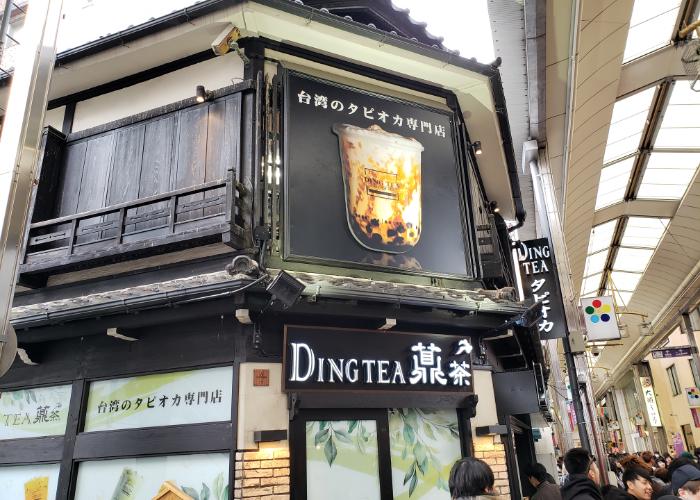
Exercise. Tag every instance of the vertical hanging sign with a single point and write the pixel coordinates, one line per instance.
(538, 273)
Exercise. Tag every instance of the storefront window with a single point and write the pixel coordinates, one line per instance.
(341, 453)
(161, 399)
(36, 412)
(424, 444)
(199, 476)
(29, 482)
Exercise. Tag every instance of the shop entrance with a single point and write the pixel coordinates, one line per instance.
(688, 436)
(391, 454)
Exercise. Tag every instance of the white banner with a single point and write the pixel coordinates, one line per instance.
(160, 399)
(599, 316)
(650, 400)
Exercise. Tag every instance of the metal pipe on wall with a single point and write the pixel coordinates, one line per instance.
(19, 144)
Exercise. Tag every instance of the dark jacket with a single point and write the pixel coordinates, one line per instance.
(579, 487)
(547, 491)
(615, 493)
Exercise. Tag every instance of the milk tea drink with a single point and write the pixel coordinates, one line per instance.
(382, 177)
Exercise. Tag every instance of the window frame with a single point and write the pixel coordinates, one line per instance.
(672, 373)
(693, 370)
(76, 446)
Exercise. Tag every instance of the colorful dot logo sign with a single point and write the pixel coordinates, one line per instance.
(598, 311)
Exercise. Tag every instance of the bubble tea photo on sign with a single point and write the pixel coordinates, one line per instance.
(382, 178)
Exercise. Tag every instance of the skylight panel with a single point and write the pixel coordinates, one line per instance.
(651, 27)
(591, 284)
(624, 280)
(627, 124)
(680, 126)
(601, 236)
(668, 175)
(596, 263)
(643, 232)
(632, 259)
(622, 298)
(613, 183)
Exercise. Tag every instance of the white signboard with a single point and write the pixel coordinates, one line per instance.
(29, 481)
(650, 400)
(160, 399)
(34, 412)
(599, 316)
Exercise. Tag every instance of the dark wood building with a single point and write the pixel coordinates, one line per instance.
(273, 269)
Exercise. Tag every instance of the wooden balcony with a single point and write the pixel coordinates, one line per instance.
(165, 180)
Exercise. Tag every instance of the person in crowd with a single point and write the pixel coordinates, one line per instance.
(539, 478)
(638, 483)
(662, 475)
(685, 481)
(648, 459)
(673, 466)
(635, 461)
(584, 478)
(471, 479)
(611, 492)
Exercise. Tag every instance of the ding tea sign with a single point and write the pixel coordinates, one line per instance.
(538, 272)
(327, 359)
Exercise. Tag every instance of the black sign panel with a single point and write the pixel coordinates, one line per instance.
(371, 181)
(672, 352)
(338, 359)
(539, 277)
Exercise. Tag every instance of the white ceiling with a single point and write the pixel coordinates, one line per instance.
(600, 80)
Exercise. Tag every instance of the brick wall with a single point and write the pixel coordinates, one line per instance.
(262, 475)
(490, 449)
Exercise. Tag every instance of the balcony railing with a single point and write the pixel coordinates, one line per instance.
(165, 180)
(129, 228)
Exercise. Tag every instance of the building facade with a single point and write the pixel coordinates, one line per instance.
(272, 269)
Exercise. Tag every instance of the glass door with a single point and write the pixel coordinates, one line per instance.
(395, 454)
(424, 444)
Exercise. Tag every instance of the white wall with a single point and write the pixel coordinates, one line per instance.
(54, 117)
(260, 408)
(486, 407)
(172, 87)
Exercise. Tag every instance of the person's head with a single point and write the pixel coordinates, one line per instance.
(470, 477)
(637, 482)
(635, 462)
(676, 464)
(662, 473)
(580, 461)
(536, 474)
(684, 478)
(647, 456)
(690, 490)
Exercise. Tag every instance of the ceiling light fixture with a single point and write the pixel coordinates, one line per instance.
(476, 146)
